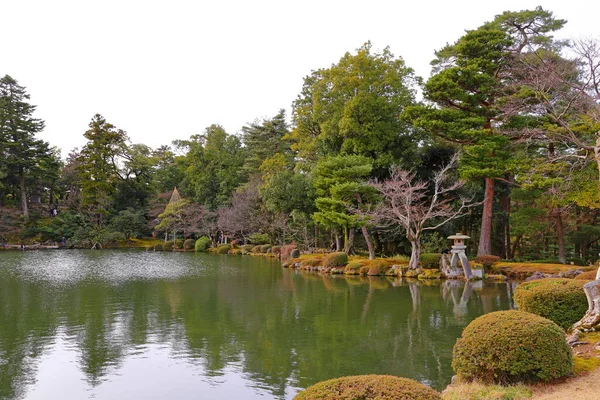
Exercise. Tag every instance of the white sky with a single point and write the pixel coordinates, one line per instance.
(164, 70)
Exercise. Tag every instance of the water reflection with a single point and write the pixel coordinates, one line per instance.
(117, 324)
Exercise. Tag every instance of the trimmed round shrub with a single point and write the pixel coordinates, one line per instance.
(158, 247)
(378, 267)
(311, 262)
(339, 259)
(247, 248)
(265, 248)
(276, 250)
(430, 260)
(168, 246)
(255, 249)
(366, 387)
(178, 244)
(295, 253)
(512, 346)
(202, 244)
(487, 260)
(561, 300)
(188, 244)
(587, 276)
(223, 249)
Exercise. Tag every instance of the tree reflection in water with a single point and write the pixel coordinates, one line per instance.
(279, 329)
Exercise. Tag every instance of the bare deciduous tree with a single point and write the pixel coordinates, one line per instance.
(418, 206)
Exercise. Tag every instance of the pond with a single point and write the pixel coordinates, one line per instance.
(130, 324)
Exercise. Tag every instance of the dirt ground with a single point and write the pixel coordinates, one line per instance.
(583, 387)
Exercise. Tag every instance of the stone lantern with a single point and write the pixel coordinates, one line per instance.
(458, 253)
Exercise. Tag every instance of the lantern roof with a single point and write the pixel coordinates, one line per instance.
(459, 236)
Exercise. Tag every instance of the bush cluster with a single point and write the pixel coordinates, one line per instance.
(430, 260)
(247, 248)
(276, 250)
(255, 249)
(353, 268)
(378, 267)
(168, 246)
(339, 259)
(487, 260)
(223, 249)
(559, 299)
(178, 244)
(265, 248)
(188, 244)
(202, 244)
(366, 387)
(512, 346)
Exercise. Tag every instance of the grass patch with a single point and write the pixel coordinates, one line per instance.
(583, 365)
(479, 391)
(521, 270)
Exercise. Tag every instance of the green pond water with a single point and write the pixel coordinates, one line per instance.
(145, 325)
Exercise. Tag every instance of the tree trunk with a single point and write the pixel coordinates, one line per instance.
(338, 242)
(367, 237)
(560, 235)
(485, 237)
(415, 254)
(23, 194)
(350, 243)
(516, 245)
(591, 319)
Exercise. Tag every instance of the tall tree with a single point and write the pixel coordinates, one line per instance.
(466, 88)
(98, 166)
(353, 107)
(20, 151)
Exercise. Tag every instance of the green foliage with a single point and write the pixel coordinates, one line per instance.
(247, 248)
(158, 247)
(214, 166)
(129, 222)
(256, 249)
(223, 249)
(259, 238)
(561, 300)
(365, 387)
(178, 244)
(430, 260)
(295, 253)
(335, 260)
(264, 139)
(189, 244)
(202, 244)
(433, 242)
(168, 246)
(353, 108)
(512, 346)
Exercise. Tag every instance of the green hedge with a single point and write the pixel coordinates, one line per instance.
(178, 244)
(559, 299)
(367, 387)
(168, 246)
(223, 249)
(512, 346)
(430, 260)
(202, 244)
(335, 260)
(487, 260)
(158, 247)
(188, 244)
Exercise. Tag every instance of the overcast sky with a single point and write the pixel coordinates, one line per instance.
(164, 70)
